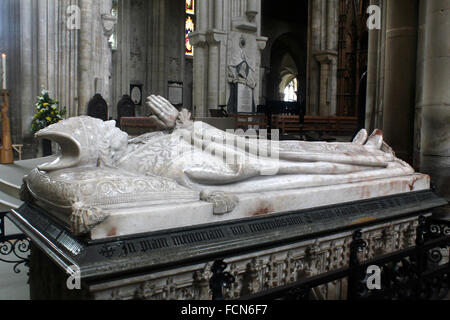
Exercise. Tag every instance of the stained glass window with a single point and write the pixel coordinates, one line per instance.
(190, 7)
(189, 26)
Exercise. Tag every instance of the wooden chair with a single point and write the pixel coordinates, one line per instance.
(18, 149)
(288, 117)
(250, 121)
(332, 125)
(135, 126)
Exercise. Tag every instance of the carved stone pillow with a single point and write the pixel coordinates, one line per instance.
(85, 141)
(88, 194)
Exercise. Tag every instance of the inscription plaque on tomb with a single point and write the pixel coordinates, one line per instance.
(160, 248)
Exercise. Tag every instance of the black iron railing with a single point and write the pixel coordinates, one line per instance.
(415, 273)
(15, 248)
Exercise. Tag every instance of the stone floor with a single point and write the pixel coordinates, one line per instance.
(13, 286)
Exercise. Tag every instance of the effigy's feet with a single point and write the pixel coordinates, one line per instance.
(361, 137)
(375, 141)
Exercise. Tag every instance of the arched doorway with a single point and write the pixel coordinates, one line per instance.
(287, 69)
(290, 91)
(288, 87)
(285, 24)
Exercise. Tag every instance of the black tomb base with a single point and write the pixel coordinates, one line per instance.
(176, 263)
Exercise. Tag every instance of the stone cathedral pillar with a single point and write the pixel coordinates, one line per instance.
(433, 96)
(200, 72)
(94, 51)
(323, 49)
(326, 64)
(198, 41)
(85, 55)
(27, 81)
(216, 90)
(228, 33)
(48, 48)
(375, 72)
(400, 77)
(46, 54)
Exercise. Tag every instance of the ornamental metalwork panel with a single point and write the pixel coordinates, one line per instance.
(416, 273)
(15, 248)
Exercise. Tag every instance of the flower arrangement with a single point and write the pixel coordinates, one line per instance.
(48, 112)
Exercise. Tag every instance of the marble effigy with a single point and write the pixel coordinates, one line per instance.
(107, 185)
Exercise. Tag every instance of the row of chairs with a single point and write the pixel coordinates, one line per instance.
(297, 125)
(288, 117)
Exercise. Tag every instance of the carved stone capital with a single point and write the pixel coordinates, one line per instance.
(109, 22)
(198, 39)
(214, 37)
(261, 42)
(242, 24)
(325, 57)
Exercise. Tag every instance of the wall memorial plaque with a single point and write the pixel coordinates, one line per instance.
(176, 93)
(136, 94)
(244, 99)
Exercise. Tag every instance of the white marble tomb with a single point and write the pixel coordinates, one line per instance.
(105, 185)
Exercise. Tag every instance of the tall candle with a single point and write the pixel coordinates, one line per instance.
(4, 71)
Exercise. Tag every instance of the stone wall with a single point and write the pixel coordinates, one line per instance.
(432, 125)
(408, 79)
(150, 49)
(376, 72)
(46, 50)
(217, 42)
(322, 57)
(287, 36)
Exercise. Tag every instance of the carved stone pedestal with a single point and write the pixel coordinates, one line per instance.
(261, 253)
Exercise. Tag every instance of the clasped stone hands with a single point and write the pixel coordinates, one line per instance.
(164, 113)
